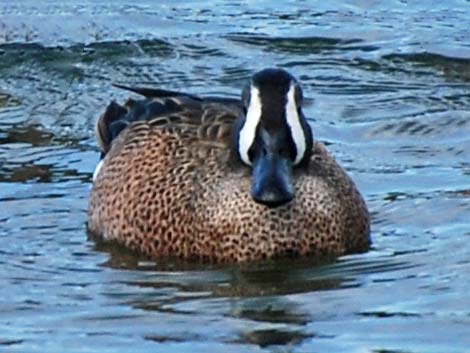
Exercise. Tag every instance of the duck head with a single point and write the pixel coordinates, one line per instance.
(273, 137)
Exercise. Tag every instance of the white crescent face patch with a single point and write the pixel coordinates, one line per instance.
(293, 120)
(247, 133)
(97, 169)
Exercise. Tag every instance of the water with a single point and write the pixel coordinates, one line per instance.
(390, 82)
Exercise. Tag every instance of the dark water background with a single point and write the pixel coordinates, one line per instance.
(391, 87)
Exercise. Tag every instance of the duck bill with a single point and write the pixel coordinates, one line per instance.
(272, 183)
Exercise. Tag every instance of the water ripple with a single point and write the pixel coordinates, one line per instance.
(389, 86)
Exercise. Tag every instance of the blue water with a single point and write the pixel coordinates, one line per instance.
(390, 85)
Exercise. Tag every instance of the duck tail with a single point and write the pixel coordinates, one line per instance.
(154, 92)
(107, 124)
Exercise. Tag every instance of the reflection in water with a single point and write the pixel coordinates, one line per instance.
(264, 338)
(7, 100)
(297, 45)
(29, 153)
(277, 277)
(453, 67)
(390, 91)
(257, 293)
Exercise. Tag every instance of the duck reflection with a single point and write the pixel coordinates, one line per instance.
(254, 294)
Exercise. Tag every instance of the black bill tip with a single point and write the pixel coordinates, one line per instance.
(272, 181)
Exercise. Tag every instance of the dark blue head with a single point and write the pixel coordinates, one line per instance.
(274, 136)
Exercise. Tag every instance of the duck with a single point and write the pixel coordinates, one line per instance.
(222, 180)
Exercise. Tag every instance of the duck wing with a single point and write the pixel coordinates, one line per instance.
(208, 118)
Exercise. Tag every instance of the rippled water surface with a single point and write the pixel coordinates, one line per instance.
(390, 82)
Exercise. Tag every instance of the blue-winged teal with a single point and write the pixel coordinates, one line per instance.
(222, 179)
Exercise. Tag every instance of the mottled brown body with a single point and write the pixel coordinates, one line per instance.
(169, 186)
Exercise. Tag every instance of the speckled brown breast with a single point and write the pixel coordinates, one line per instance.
(172, 190)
